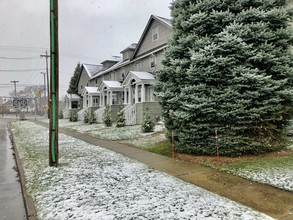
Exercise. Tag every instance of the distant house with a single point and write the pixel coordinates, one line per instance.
(128, 82)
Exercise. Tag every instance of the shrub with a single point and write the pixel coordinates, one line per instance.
(86, 117)
(73, 116)
(148, 124)
(107, 117)
(120, 119)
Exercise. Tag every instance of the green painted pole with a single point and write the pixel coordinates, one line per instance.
(54, 79)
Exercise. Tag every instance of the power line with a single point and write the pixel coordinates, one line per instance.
(19, 58)
(22, 70)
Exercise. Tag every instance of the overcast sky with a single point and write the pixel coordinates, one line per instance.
(90, 31)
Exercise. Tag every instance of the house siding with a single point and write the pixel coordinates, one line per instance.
(147, 44)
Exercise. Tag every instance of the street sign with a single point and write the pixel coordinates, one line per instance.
(19, 102)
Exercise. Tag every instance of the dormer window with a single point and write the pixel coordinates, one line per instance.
(155, 33)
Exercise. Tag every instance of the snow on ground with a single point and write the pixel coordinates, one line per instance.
(96, 183)
(278, 177)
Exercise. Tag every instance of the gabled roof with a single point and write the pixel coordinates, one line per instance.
(165, 21)
(91, 90)
(92, 69)
(139, 76)
(72, 96)
(115, 66)
(111, 84)
(142, 75)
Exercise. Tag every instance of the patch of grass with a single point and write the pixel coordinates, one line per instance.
(262, 163)
(163, 148)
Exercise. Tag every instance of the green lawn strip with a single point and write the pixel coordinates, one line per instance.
(282, 162)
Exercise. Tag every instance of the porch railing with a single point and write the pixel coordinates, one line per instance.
(130, 115)
(99, 113)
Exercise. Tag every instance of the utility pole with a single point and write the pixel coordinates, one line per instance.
(14, 82)
(45, 96)
(14, 86)
(54, 84)
(47, 72)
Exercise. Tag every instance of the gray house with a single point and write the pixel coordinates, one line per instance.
(128, 82)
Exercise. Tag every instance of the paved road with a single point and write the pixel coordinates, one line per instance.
(11, 201)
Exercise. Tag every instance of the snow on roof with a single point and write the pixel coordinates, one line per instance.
(165, 20)
(131, 47)
(113, 84)
(91, 90)
(115, 66)
(72, 96)
(142, 75)
(92, 69)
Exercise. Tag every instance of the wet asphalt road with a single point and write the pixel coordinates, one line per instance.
(11, 201)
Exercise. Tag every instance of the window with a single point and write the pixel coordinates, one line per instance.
(152, 61)
(155, 34)
(137, 66)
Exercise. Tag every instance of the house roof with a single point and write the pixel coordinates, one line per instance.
(139, 76)
(112, 59)
(142, 75)
(131, 47)
(112, 84)
(165, 21)
(91, 90)
(72, 96)
(115, 66)
(92, 69)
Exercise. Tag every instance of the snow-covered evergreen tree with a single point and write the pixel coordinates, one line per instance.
(228, 65)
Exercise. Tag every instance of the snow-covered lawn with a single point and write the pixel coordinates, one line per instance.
(95, 183)
(281, 177)
(278, 174)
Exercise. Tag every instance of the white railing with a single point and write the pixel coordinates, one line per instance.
(130, 115)
(81, 114)
(66, 113)
(99, 113)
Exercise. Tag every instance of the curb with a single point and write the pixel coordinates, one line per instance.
(29, 206)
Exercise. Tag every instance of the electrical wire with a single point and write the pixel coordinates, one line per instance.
(20, 58)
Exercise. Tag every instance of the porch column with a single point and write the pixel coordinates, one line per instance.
(90, 101)
(84, 101)
(129, 95)
(108, 97)
(111, 98)
(125, 96)
(136, 93)
(100, 104)
(142, 93)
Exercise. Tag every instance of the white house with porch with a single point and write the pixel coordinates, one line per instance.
(72, 103)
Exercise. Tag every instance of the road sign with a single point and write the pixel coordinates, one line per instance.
(19, 102)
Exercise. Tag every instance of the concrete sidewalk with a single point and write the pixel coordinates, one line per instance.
(262, 198)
